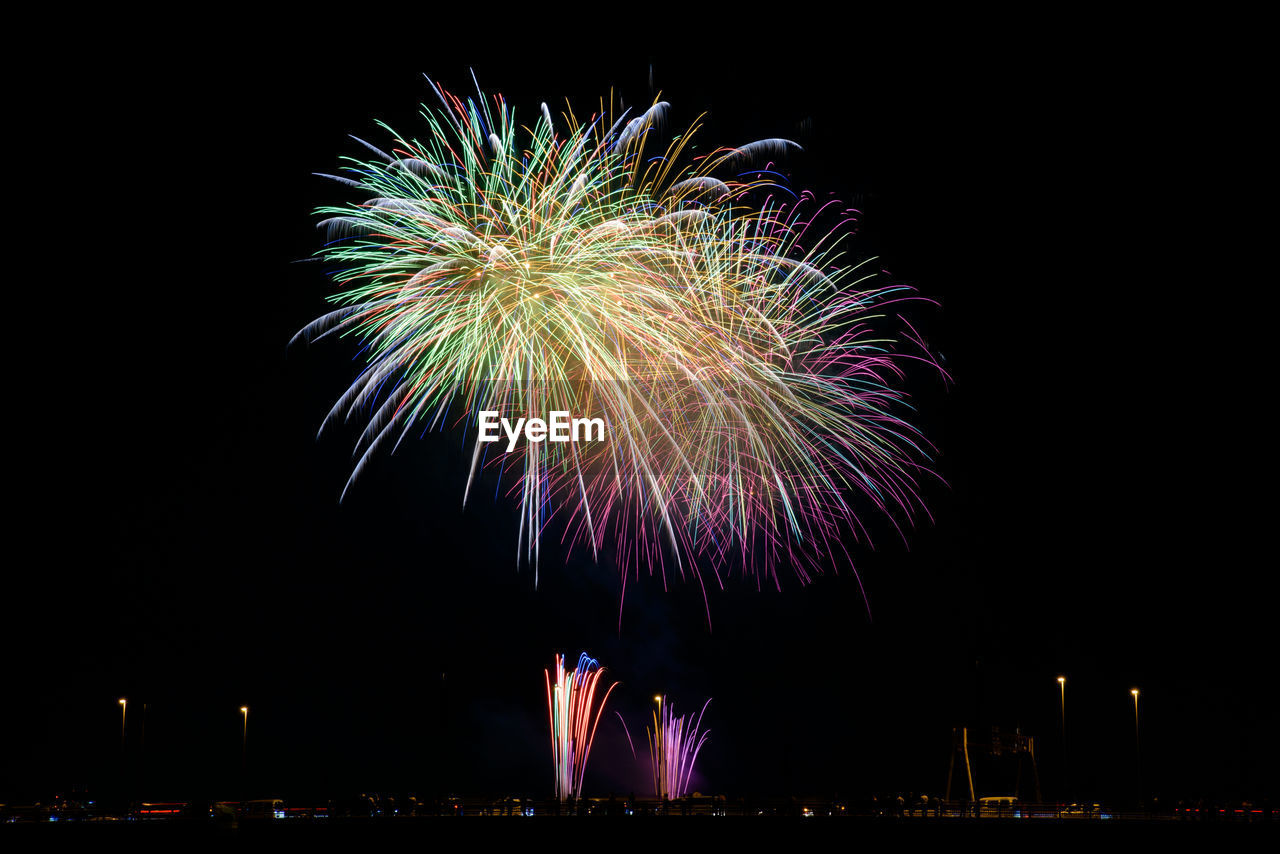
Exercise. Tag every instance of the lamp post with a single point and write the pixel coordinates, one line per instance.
(659, 746)
(124, 755)
(244, 738)
(1137, 742)
(1066, 777)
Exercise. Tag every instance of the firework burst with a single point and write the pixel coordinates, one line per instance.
(685, 299)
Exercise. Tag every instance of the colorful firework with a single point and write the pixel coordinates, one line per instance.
(674, 743)
(574, 716)
(687, 300)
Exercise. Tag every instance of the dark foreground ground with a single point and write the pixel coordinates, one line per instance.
(786, 831)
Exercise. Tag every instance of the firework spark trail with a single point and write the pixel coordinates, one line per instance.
(674, 742)
(574, 716)
(573, 266)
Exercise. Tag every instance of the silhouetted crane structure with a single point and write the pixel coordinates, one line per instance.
(995, 753)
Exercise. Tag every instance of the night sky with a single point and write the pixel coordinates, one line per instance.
(178, 540)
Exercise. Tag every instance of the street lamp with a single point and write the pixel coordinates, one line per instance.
(244, 741)
(1137, 742)
(124, 705)
(660, 749)
(1134, 692)
(1062, 689)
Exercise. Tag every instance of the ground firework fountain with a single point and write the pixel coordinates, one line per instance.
(574, 707)
(674, 743)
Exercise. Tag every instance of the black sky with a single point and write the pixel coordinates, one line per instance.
(179, 539)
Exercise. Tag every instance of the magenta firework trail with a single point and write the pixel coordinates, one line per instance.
(674, 743)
